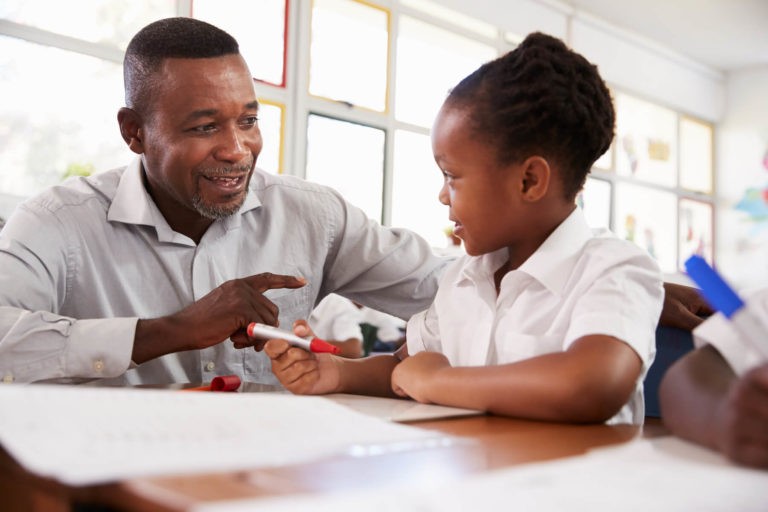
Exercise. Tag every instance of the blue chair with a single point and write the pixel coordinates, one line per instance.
(671, 344)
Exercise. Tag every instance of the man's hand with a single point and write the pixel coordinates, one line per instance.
(412, 377)
(302, 372)
(684, 307)
(223, 313)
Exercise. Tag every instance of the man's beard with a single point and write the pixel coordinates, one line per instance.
(221, 211)
(216, 211)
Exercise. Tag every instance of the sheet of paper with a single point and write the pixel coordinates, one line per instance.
(663, 474)
(86, 435)
(393, 409)
(390, 409)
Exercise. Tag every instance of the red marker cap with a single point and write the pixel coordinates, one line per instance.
(225, 383)
(318, 345)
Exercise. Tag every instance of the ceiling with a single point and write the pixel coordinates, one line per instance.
(723, 34)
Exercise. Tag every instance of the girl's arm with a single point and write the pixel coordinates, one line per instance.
(589, 382)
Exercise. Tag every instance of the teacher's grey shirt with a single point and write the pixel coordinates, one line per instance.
(82, 262)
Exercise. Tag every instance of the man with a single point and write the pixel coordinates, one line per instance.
(141, 275)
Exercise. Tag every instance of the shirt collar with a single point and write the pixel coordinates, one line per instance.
(551, 264)
(132, 204)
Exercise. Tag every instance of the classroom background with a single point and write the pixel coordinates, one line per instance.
(349, 89)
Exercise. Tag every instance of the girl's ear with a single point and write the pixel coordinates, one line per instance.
(130, 129)
(537, 176)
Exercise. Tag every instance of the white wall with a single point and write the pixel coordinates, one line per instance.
(741, 145)
(625, 60)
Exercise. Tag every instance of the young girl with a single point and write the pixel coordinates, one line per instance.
(543, 318)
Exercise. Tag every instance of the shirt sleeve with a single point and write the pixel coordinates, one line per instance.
(718, 332)
(388, 269)
(37, 343)
(40, 346)
(624, 302)
(422, 333)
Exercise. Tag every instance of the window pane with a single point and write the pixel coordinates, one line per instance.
(348, 157)
(605, 162)
(646, 137)
(416, 183)
(434, 8)
(348, 53)
(449, 57)
(695, 230)
(271, 126)
(62, 117)
(114, 22)
(259, 28)
(648, 217)
(595, 200)
(695, 156)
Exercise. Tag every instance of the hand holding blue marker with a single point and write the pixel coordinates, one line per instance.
(751, 327)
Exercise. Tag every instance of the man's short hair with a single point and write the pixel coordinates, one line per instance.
(180, 38)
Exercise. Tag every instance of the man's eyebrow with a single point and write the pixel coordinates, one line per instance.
(197, 114)
(211, 112)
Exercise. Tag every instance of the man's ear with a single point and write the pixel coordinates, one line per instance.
(536, 176)
(130, 129)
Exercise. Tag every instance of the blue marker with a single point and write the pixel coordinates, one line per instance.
(750, 326)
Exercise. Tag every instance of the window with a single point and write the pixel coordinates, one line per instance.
(416, 184)
(348, 90)
(261, 35)
(660, 172)
(419, 94)
(110, 23)
(271, 122)
(62, 118)
(349, 53)
(595, 200)
(348, 157)
(65, 78)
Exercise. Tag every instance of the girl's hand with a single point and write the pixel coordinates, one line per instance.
(302, 372)
(415, 375)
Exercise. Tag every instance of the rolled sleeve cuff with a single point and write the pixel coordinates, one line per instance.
(413, 334)
(100, 348)
(718, 332)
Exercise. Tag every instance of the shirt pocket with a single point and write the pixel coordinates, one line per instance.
(515, 347)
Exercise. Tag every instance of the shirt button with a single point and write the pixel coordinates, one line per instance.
(210, 366)
(8, 378)
(98, 365)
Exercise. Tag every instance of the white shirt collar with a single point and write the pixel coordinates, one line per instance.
(132, 204)
(551, 264)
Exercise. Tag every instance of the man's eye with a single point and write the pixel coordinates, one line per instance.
(250, 121)
(206, 128)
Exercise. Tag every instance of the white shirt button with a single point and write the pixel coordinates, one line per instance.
(98, 365)
(8, 378)
(210, 365)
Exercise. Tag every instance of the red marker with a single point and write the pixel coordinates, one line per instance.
(220, 383)
(256, 330)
